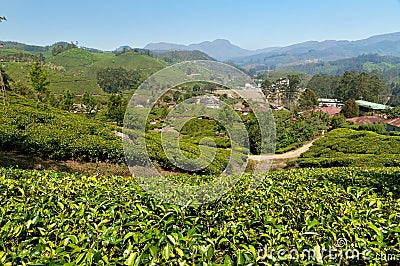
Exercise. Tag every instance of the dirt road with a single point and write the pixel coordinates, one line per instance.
(285, 156)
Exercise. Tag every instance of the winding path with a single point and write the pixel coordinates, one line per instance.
(288, 155)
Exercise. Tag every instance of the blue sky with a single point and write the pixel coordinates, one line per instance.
(250, 24)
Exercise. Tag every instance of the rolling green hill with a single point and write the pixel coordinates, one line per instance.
(179, 56)
(76, 69)
(26, 47)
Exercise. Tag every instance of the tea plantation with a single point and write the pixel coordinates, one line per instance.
(37, 129)
(53, 218)
(349, 147)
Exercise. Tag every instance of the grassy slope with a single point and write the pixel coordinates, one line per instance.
(12, 51)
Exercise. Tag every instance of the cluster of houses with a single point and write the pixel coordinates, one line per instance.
(370, 113)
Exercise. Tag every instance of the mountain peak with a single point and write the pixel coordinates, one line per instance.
(223, 41)
(220, 49)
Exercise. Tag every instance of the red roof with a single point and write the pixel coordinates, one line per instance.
(331, 110)
(275, 104)
(394, 122)
(361, 120)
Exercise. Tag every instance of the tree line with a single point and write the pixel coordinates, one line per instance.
(366, 86)
(115, 80)
(61, 47)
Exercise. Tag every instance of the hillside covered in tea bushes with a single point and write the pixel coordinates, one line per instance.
(53, 218)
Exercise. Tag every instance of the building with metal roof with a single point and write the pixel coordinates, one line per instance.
(393, 124)
(370, 105)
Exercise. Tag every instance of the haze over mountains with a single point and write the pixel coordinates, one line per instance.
(258, 60)
(310, 51)
(219, 49)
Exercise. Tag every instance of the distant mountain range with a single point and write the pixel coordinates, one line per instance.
(219, 49)
(386, 65)
(306, 52)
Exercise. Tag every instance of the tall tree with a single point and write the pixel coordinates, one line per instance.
(116, 107)
(88, 101)
(6, 79)
(347, 87)
(308, 100)
(2, 78)
(364, 86)
(197, 90)
(350, 109)
(323, 85)
(54, 101)
(291, 89)
(393, 112)
(68, 101)
(4, 84)
(38, 79)
(266, 86)
(266, 83)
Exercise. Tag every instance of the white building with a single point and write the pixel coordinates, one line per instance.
(326, 102)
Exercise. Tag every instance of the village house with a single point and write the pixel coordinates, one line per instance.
(370, 107)
(276, 106)
(238, 106)
(171, 104)
(326, 102)
(330, 110)
(245, 110)
(393, 124)
(212, 104)
(363, 120)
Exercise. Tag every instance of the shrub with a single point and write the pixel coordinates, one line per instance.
(56, 135)
(338, 120)
(378, 128)
(347, 147)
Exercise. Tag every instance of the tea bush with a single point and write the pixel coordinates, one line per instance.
(53, 218)
(348, 147)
